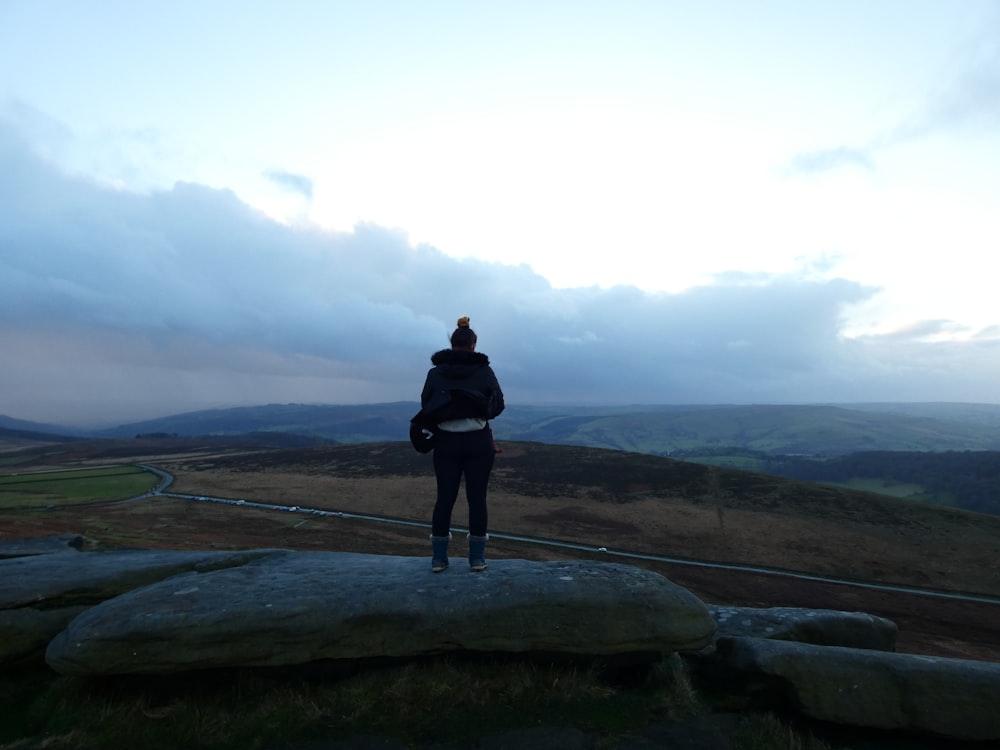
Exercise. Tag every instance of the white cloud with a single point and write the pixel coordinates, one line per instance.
(115, 305)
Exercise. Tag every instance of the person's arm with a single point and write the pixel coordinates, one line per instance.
(427, 392)
(496, 404)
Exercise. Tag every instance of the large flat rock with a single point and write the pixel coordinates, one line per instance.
(45, 545)
(50, 581)
(301, 607)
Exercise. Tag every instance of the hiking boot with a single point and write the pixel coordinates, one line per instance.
(439, 545)
(477, 553)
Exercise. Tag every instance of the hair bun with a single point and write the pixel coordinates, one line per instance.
(463, 322)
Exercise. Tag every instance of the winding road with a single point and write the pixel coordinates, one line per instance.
(166, 479)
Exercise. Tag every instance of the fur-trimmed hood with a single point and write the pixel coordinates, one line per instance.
(458, 363)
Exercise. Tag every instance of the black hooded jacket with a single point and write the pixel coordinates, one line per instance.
(461, 384)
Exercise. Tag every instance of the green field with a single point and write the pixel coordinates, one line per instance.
(744, 463)
(881, 486)
(74, 487)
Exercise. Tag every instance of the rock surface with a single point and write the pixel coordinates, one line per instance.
(41, 593)
(953, 698)
(45, 545)
(51, 581)
(823, 627)
(297, 607)
(148, 611)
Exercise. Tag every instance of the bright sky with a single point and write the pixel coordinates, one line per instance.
(770, 154)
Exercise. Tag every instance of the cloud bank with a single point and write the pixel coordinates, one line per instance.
(116, 306)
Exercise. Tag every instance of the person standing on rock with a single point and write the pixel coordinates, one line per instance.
(460, 395)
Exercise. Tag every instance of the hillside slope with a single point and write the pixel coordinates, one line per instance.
(626, 502)
(658, 429)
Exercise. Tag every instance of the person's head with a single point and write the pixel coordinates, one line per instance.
(463, 337)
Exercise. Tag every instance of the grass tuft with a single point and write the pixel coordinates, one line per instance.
(765, 731)
(437, 700)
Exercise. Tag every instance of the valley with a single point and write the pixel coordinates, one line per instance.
(597, 498)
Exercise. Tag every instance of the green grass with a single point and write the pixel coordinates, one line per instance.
(73, 487)
(744, 463)
(881, 486)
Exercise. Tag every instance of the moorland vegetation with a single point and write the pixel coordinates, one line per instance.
(947, 454)
(626, 502)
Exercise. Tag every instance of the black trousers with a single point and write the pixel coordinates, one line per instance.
(457, 455)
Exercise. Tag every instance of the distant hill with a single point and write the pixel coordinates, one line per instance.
(816, 429)
(366, 423)
(987, 415)
(827, 430)
(11, 438)
(772, 429)
(12, 429)
(139, 448)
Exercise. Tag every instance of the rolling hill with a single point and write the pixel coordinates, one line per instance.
(801, 441)
(774, 429)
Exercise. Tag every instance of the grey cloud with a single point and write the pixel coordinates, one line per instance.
(116, 306)
(55, 138)
(290, 181)
(824, 160)
(110, 153)
(711, 343)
